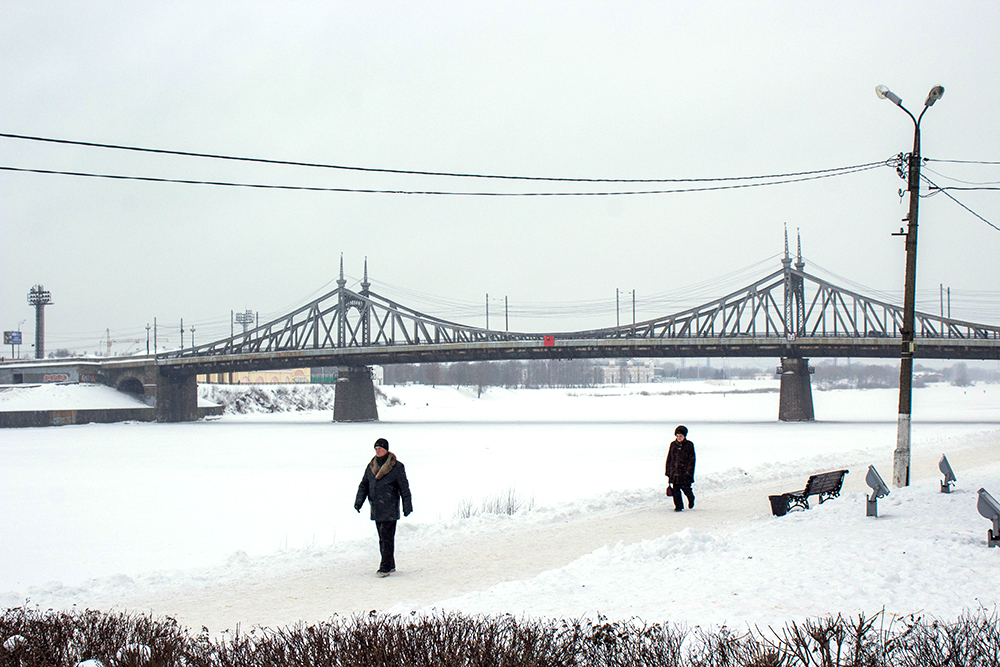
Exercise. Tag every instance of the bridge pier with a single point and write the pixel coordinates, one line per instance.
(176, 398)
(354, 399)
(795, 403)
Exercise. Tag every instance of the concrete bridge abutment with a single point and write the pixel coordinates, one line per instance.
(795, 403)
(354, 399)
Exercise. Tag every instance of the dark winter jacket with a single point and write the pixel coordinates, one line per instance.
(680, 463)
(383, 486)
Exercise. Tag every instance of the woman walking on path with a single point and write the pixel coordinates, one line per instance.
(680, 468)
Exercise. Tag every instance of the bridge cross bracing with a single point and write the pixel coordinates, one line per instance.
(787, 313)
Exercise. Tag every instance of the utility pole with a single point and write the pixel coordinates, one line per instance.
(901, 456)
(182, 333)
(147, 339)
(487, 311)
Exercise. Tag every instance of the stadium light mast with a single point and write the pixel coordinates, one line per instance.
(901, 457)
(39, 297)
(245, 319)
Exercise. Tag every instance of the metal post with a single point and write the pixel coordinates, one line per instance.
(487, 311)
(901, 456)
(147, 340)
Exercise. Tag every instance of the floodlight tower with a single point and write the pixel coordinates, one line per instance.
(39, 297)
(245, 318)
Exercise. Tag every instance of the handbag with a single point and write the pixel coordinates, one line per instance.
(670, 491)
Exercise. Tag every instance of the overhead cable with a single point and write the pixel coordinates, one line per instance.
(959, 180)
(931, 159)
(947, 194)
(413, 172)
(122, 177)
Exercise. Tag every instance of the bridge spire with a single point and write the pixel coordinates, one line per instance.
(786, 261)
(799, 264)
(364, 283)
(341, 283)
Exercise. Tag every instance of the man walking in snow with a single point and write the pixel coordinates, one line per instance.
(384, 484)
(680, 468)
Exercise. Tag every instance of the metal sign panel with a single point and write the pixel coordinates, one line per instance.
(11, 337)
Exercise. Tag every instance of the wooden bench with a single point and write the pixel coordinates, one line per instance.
(824, 485)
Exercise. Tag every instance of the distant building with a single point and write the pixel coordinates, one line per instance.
(322, 375)
(625, 372)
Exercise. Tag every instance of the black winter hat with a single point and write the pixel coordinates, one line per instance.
(382, 442)
(682, 430)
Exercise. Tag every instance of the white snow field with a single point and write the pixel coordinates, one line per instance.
(248, 519)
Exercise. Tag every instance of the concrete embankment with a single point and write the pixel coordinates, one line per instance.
(30, 418)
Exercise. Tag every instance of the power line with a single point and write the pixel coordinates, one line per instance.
(816, 175)
(412, 172)
(951, 197)
(959, 180)
(966, 189)
(930, 159)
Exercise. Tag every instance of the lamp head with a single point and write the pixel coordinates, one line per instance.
(884, 93)
(937, 92)
(946, 470)
(874, 481)
(989, 508)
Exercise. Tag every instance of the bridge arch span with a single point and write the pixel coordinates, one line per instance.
(131, 385)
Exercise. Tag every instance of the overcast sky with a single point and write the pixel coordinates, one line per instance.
(556, 89)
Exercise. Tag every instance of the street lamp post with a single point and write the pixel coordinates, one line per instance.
(901, 457)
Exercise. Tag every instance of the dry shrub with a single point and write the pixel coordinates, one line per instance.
(30, 638)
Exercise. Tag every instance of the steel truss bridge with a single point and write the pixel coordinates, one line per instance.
(788, 313)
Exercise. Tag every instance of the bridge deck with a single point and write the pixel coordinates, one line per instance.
(886, 348)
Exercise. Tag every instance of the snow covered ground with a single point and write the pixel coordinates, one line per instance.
(248, 519)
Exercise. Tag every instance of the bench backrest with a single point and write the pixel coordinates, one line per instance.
(827, 482)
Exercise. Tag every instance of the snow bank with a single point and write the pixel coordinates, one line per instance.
(259, 399)
(65, 397)
(925, 554)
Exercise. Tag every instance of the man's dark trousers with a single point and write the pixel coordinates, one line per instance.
(386, 544)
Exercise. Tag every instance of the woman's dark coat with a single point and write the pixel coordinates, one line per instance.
(383, 486)
(680, 463)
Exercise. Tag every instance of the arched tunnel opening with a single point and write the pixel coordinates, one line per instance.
(132, 386)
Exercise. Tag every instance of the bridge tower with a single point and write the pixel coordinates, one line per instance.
(795, 400)
(354, 397)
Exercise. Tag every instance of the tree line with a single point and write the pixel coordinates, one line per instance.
(828, 374)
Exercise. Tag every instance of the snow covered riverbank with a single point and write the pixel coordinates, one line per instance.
(248, 518)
